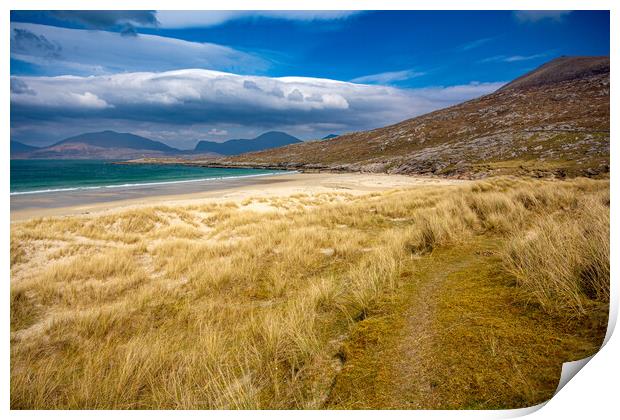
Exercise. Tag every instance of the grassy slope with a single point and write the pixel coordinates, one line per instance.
(559, 126)
(459, 336)
(221, 307)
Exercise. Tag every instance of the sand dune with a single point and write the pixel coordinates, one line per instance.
(233, 190)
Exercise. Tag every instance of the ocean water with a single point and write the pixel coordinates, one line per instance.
(47, 176)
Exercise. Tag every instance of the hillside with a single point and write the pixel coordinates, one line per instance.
(113, 145)
(18, 148)
(560, 70)
(104, 145)
(551, 121)
(265, 141)
(112, 139)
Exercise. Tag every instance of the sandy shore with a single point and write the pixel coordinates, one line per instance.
(25, 207)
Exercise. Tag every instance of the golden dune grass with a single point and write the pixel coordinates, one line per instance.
(220, 306)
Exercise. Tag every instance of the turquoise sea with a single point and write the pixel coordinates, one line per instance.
(45, 176)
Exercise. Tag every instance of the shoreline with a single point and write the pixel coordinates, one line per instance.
(145, 184)
(81, 202)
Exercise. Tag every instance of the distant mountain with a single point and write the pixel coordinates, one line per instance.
(551, 121)
(112, 140)
(112, 145)
(265, 141)
(18, 148)
(329, 136)
(103, 145)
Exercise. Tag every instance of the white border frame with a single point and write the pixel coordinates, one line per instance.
(592, 393)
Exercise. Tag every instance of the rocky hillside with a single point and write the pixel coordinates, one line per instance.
(551, 121)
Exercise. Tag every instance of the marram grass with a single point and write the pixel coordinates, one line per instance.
(221, 306)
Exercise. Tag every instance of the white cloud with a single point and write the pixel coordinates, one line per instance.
(389, 77)
(194, 87)
(77, 51)
(204, 18)
(87, 100)
(217, 132)
(533, 16)
(475, 44)
(177, 99)
(512, 58)
(448, 95)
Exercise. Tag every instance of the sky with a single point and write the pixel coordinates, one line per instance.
(180, 77)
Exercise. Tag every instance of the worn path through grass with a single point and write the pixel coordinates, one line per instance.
(439, 296)
(458, 336)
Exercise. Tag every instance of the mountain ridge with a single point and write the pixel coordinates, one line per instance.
(551, 121)
(113, 139)
(19, 147)
(264, 141)
(560, 69)
(110, 144)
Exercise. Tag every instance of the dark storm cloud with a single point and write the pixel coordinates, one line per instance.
(20, 87)
(296, 96)
(64, 51)
(24, 41)
(187, 97)
(105, 19)
(314, 98)
(277, 92)
(129, 30)
(248, 84)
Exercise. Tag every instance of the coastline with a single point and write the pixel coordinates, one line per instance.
(67, 203)
(145, 184)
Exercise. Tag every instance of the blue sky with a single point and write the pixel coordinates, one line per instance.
(307, 73)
